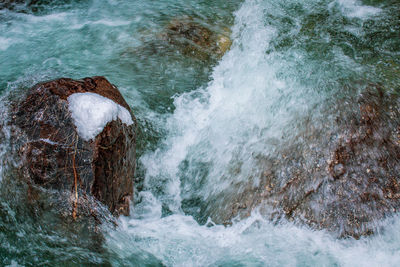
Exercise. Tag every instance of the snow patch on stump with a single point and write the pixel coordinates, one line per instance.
(91, 112)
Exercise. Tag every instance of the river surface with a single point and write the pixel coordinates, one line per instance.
(199, 119)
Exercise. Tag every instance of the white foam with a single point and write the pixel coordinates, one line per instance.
(5, 43)
(110, 23)
(91, 113)
(354, 9)
(225, 123)
(178, 240)
(56, 17)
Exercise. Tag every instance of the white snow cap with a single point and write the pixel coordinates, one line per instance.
(91, 112)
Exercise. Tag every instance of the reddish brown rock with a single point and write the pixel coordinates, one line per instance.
(342, 175)
(55, 157)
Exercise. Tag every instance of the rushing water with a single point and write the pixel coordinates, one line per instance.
(202, 121)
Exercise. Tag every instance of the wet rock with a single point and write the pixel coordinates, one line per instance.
(196, 38)
(55, 157)
(338, 170)
(341, 175)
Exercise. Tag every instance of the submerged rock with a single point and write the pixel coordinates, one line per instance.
(195, 38)
(343, 175)
(56, 156)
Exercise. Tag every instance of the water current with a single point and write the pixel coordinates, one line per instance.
(203, 122)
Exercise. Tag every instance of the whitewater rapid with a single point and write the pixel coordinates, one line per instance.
(204, 126)
(251, 102)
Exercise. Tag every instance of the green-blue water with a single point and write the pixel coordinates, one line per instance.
(201, 118)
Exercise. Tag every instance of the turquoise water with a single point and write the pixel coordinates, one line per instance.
(202, 121)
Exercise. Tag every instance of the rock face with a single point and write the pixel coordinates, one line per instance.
(343, 176)
(55, 157)
(196, 39)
